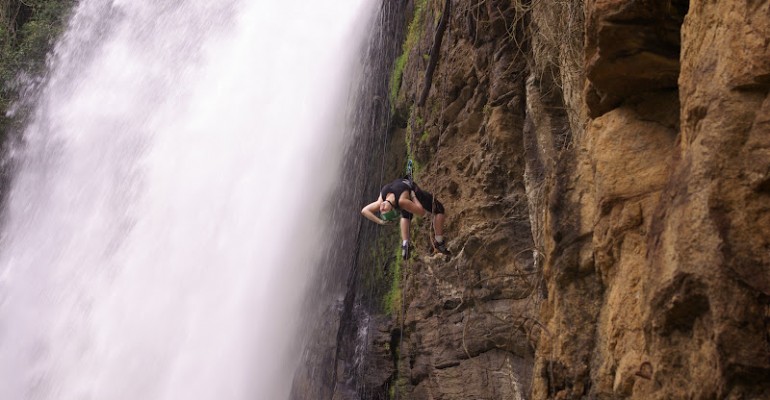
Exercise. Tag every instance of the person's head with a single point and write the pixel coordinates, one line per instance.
(388, 211)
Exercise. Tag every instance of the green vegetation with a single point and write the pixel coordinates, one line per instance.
(413, 34)
(411, 147)
(382, 281)
(374, 279)
(29, 29)
(399, 384)
(395, 77)
(386, 281)
(392, 300)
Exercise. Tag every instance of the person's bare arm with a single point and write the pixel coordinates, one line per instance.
(368, 212)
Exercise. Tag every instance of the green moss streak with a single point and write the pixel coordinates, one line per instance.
(413, 34)
(392, 300)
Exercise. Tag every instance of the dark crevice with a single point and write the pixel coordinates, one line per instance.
(435, 51)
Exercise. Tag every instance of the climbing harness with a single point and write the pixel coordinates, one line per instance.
(410, 169)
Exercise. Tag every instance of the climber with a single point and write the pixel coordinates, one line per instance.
(404, 197)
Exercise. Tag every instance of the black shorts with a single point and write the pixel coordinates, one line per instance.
(427, 201)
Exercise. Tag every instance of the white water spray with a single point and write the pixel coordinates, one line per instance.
(165, 210)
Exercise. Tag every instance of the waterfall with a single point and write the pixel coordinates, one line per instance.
(168, 198)
(353, 282)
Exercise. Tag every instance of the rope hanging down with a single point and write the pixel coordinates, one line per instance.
(433, 62)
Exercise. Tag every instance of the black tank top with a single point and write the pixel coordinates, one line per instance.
(396, 187)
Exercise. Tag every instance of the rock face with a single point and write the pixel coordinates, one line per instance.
(469, 320)
(650, 287)
(605, 165)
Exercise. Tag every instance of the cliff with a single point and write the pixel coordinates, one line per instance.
(605, 165)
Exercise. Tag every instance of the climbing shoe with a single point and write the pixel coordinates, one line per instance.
(441, 247)
(405, 251)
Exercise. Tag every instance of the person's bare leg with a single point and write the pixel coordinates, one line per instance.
(413, 207)
(438, 224)
(405, 229)
(439, 242)
(404, 224)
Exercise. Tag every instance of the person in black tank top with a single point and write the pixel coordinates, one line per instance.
(402, 197)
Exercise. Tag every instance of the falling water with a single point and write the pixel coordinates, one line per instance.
(165, 205)
(335, 362)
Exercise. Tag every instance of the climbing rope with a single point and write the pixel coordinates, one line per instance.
(410, 174)
(441, 118)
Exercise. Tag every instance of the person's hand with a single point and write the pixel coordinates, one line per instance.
(384, 222)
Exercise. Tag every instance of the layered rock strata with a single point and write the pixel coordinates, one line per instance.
(469, 320)
(656, 244)
(605, 165)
